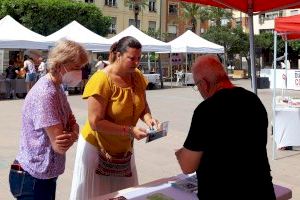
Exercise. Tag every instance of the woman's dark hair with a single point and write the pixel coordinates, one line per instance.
(112, 52)
(11, 62)
(26, 57)
(127, 42)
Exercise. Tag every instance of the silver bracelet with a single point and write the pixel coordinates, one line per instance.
(130, 132)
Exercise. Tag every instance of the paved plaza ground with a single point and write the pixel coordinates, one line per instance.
(156, 159)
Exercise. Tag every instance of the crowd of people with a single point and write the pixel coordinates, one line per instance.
(30, 68)
(116, 100)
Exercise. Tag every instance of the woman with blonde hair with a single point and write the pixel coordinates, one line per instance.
(49, 127)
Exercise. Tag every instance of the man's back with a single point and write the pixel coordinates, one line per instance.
(230, 128)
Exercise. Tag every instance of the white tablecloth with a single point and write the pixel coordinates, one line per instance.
(287, 126)
(159, 186)
(164, 186)
(189, 78)
(153, 78)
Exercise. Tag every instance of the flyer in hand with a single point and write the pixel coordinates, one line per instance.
(161, 131)
(188, 184)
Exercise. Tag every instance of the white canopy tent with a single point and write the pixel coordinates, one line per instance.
(190, 42)
(78, 33)
(149, 44)
(13, 35)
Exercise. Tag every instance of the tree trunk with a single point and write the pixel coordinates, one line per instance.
(136, 14)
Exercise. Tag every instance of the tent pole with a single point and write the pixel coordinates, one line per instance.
(274, 94)
(251, 38)
(285, 62)
(149, 68)
(171, 69)
(186, 64)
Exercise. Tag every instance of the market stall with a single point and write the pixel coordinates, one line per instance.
(190, 42)
(286, 109)
(78, 33)
(251, 7)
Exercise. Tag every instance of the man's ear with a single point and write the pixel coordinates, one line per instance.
(205, 85)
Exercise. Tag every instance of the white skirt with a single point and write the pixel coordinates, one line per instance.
(86, 184)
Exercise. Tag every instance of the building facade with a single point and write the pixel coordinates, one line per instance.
(265, 22)
(123, 15)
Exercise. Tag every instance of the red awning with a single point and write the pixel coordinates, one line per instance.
(244, 5)
(288, 27)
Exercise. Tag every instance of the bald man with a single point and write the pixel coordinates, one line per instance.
(226, 143)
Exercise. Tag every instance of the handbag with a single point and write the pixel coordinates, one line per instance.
(114, 166)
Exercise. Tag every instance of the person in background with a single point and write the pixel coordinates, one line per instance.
(42, 69)
(100, 64)
(11, 75)
(230, 161)
(31, 74)
(86, 70)
(49, 127)
(116, 100)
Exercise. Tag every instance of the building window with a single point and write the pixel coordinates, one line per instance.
(294, 12)
(152, 26)
(172, 29)
(113, 26)
(224, 22)
(266, 31)
(89, 1)
(152, 7)
(111, 3)
(173, 9)
(131, 7)
(132, 22)
(273, 15)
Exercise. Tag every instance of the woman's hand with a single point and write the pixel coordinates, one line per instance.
(151, 122)
(64, 141)
(138, 133)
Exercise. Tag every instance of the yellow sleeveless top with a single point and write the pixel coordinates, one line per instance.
(124, 107)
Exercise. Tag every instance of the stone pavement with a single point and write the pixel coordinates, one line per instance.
(156, 159)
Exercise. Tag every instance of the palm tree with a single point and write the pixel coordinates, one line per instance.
(137, 6)
(192, 12)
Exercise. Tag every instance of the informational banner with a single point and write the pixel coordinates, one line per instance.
(285, 79)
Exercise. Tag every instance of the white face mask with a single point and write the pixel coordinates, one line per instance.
(72, 78)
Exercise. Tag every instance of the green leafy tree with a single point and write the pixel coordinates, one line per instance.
(48, 16)
(224, 37)
(192, 12)
(217, 14)
(137, 6)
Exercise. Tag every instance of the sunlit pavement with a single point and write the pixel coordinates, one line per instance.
(156, 159)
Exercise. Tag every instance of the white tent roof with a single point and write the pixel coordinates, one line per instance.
(78, 33)
(149, 44)
(13, 35)
(189, 42)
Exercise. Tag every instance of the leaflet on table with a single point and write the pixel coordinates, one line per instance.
(188, 184)
(288, 101)
(156, 133)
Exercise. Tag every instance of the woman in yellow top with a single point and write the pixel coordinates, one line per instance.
(116, 101)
